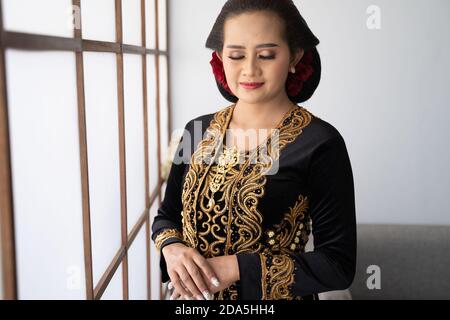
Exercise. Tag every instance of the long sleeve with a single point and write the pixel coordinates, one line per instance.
(331, 266)
(167, 225)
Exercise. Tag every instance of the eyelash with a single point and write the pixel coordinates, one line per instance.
(262, 57)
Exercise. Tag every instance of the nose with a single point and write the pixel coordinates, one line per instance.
(250, 66)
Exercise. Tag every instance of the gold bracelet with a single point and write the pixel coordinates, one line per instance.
(166, 234)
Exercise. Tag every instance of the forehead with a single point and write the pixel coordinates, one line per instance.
(251, 28)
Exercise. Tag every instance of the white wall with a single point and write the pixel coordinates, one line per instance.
(384, 90)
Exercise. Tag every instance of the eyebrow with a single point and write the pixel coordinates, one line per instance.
(264, 45)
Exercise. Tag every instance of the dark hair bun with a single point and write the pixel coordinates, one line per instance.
(297, 34)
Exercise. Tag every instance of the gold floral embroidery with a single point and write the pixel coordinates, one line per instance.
(240, 193)
(166, 234)
(201, 160)
(251, 183)
(226, 161)
(285, 238)
(277, 276)
(291, 234)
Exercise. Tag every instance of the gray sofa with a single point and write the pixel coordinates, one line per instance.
(412, 261)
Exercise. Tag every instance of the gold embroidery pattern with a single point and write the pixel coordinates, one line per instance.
(241, 191)
(166, 234)
(277, 276)
(286, 238)
(227, 160)
(201, 160)
(250, 187)
(210, 231)
(292, 233)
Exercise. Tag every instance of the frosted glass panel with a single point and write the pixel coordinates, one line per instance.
(154, 260)
(152, 130)
(114, 290)
(103, 157)
(162, 24)
(134, 138)
(49, 17)
(131, 17)
(164, 104)
(150, 23)
(99, 20)
(137, 267)
(46, 174)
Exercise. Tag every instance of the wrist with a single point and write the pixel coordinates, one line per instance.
(235, 267)
(171, 246)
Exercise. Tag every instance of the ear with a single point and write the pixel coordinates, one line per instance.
(219, 54)
(297, 56)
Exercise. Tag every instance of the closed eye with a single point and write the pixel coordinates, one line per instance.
(262, 57)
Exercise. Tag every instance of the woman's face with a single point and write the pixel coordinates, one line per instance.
(254, 51)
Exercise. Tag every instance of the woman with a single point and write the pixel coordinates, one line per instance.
(234, 220)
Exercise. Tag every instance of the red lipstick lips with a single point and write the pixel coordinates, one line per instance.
(251, 85)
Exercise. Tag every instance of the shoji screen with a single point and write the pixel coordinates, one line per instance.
(84, 122)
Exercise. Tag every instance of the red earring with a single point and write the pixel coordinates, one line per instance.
(303, 71)
(219, 72)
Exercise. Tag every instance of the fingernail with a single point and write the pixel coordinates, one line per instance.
(206, 294)
(215, 281)
(170, 285)
(187, 298)
(171, 298)
(199, 297)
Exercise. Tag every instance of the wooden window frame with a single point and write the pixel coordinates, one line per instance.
(78, 45)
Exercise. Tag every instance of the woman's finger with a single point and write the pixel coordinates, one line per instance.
(186, 278)
(175, 295)
(199, 281)
(206, 269)
(176, 281)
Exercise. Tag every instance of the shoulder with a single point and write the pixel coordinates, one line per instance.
(204, 120)
(320, 131)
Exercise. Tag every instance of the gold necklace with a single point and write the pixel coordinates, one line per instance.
(227, 160)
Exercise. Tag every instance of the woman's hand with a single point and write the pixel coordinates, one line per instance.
(225, 267)
(188, 269)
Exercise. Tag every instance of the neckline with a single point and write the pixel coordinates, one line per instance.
(269, 136)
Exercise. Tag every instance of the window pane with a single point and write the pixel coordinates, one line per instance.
(150, 23)
(152, 130)
(137, 267)
(114, 290)
(48, 17)
(162, 24)
(154, 260)
(134, 138)
(131, 17)
(98, 26)
(103, 157)
(163, 103)
(45, 155)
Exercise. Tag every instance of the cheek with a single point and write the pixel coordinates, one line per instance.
(273, 72)
(279, 69)
(231, 71)
(276, 74)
